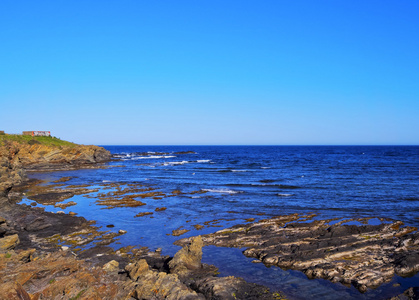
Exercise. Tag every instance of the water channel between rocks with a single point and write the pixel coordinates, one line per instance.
(202, 191)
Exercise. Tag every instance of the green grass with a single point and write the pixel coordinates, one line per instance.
(43, 140)
(78, 295)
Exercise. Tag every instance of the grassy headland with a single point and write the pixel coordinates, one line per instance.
(41, 140)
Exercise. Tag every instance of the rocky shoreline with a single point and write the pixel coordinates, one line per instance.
(34, 264)
(363, 255)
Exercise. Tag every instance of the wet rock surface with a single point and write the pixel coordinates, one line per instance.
(365, 256)
(410, 294)
(28, 273)
(32, 240)
(42, 254)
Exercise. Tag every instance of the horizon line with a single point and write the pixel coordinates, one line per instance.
(264, 145)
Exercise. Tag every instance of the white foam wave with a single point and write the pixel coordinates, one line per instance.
(221, 191)
(285, 195)
(155, 157)
(203, 160)
(122, 155)
(174, 163)
(265, 167)
(238, 170)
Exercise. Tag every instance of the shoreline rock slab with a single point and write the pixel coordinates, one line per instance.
(365, 256)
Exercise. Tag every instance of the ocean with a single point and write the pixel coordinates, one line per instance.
(219, 186)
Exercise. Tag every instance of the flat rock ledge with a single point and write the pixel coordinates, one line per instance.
(363, 255)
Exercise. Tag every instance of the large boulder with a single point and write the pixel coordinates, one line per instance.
(157, 285)
(188, 258)
(9, 242)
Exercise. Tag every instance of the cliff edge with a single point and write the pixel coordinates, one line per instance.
(20, 153)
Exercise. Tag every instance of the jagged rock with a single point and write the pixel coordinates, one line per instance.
(25, 255)
(38, 224)
(157, 285)
(410, 294)
(406, 263)
(15, 157)
(231, 288)
(11, 172)
(188, 258)
(112, 266)
(9, 242)
(365, 255)
(136, 269)
(45, 157)
(56, 275)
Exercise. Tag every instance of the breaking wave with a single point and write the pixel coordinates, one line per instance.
(222, 191)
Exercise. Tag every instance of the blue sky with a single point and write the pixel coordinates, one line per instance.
(212, 72)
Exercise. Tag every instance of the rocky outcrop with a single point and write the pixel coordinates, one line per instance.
(42, 157)
(9, 242)
(188, 258)
(187, 278)
(158, 285)
(31, 274)
(16, 157)
(37, 274)
(362, 255)
(410, 294)
(11, 172)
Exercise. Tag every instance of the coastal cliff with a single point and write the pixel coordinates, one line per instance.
(19, 154)
(11, 171)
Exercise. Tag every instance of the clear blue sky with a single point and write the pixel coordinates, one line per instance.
(212, 72)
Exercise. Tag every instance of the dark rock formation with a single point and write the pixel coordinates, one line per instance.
(365, 256)
(410, 294)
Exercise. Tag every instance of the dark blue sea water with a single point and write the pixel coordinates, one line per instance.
(247, 181)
